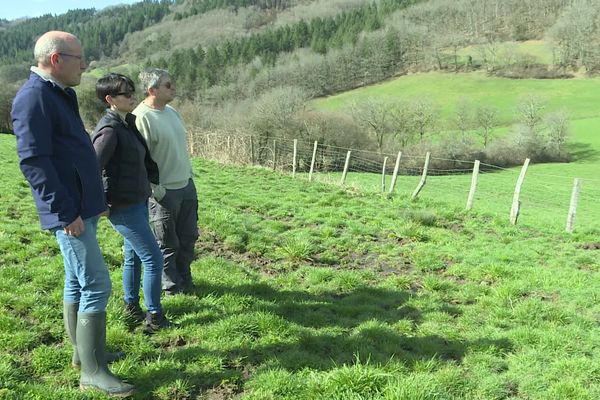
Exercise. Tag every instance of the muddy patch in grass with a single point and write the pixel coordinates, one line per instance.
(590, 246)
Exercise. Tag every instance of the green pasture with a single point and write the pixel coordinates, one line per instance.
(308, 291)
(547, 189)
(545, 196)
(546, 193)
(578, 96)
(537, 50)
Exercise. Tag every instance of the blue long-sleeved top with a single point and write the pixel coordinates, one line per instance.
(56, 154)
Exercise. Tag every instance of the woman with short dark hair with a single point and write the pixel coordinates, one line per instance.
(127, 170)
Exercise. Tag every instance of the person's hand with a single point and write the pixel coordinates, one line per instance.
(75, 228)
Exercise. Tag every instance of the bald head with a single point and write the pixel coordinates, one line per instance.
(60, 55)
(54, 42)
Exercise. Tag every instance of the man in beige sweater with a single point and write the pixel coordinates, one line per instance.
(174, 202)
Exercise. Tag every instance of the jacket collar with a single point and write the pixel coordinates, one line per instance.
(116, 115)
(47, 77)
(68, 92)
(128, 120)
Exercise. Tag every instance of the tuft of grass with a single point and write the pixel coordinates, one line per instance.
(359, 379)
(422, 217)
(237, 242)
(296, 248)
(180, 389)
(410, 231)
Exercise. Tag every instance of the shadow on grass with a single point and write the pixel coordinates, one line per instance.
(166, 373)
(326, 330)
(582, 152)
(377, 344)
(325, 309)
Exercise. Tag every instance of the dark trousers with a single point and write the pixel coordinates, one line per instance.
(174, 222)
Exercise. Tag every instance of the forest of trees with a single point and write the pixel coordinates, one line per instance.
(100, 31)
(407, 35)
(202, 68)
(195, 7)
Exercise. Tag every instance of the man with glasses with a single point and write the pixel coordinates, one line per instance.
(174, 202)
(58, 160)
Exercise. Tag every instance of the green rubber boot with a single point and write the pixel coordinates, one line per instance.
(70, 320)
(91, 343)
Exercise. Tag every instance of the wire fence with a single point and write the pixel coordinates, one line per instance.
(544, 199)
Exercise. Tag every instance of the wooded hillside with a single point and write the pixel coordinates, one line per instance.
(233, 59)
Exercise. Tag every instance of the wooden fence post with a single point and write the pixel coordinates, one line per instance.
(471, 197)
(294, 158)
(346, 165)
(383, 174)
(252, 150)
(423, 177)
(274, 154)
(191, 143)
(573, 205)
(312, 163)
(229, 147)
(395, 175)
(516, 204)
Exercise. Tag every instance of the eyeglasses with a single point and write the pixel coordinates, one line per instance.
(80, 58)
(168, 85)
(127, 95)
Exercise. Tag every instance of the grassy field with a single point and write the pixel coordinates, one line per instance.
(306, 291)
(545, 196)
(578, 96)
(547, 189)
(537, 50)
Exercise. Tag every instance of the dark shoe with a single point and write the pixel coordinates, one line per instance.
(91, 344)
(172, 291)
(188, 287)
(133, 313)
(70, 320)
(155, 322)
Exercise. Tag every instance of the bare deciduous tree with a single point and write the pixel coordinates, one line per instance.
(462, 118)
(576, 36)
(557, 124)
(274, 114)
(423, 114)
(374, 115)
(400, 123)
(486, 118)
(529, 112)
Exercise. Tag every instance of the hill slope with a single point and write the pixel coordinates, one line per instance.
(577, 96)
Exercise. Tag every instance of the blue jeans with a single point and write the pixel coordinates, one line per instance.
(87, 281)
(139, 246)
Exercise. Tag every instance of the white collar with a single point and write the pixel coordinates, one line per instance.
(47, 77)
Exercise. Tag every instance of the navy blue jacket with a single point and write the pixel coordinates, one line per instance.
(56, 154)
